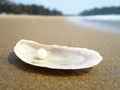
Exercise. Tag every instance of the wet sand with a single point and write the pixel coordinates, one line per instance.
(17, 75)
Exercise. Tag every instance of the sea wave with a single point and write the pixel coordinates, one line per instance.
(110, 23)
(102, 17)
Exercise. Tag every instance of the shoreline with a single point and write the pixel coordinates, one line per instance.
(15, 74)
(100, 25)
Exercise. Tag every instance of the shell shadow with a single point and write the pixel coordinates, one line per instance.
(14, 60)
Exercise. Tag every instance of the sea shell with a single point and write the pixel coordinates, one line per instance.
(58, 57)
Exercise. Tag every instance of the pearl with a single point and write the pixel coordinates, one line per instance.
(42, 53)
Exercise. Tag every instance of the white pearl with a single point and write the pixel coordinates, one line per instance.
(42, 53)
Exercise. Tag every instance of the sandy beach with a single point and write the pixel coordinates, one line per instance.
(17, 75)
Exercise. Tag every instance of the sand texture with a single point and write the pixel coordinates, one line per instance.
(17, 75)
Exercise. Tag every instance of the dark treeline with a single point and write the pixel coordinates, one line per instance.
(102, 11)
(8, 7)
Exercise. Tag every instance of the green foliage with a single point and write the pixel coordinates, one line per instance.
(4, 1)
(8, 7)
(102, 11)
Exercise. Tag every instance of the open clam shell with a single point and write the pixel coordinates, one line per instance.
(59, 57)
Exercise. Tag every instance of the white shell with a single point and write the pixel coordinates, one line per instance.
(58, 57)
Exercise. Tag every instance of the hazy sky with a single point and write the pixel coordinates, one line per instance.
(71, 6)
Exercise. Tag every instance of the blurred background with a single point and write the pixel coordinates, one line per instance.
(103, 14)
(60, 7)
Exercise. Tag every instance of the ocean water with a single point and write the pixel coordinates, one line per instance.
(108, 23)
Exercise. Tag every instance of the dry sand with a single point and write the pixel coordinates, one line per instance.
(17, 75)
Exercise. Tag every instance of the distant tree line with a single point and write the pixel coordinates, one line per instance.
(102, 11)
(8, 7)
